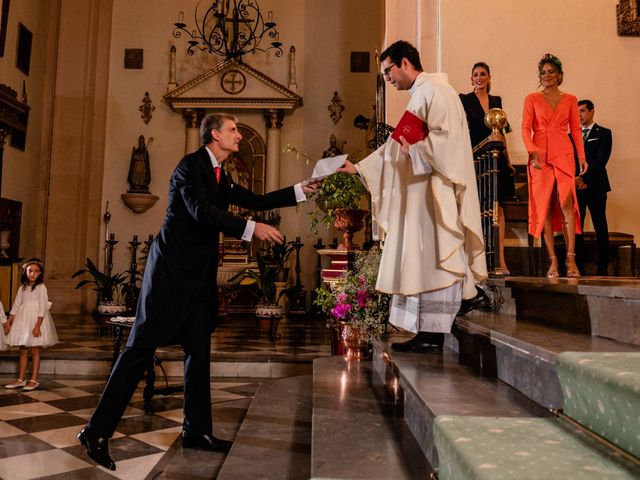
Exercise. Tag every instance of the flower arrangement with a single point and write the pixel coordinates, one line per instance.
(340, 190)
(354, 299)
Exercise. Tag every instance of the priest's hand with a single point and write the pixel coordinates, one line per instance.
(266, 232)
(348, 167)
(404, 148)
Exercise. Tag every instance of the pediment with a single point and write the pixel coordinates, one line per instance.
(232, 85)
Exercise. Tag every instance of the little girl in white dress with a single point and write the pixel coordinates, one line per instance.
(3, 319)
(30, 325)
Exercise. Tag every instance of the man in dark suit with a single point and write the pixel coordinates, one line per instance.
(593, 185)
(178, 300)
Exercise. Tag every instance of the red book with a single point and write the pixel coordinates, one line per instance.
(411, 127)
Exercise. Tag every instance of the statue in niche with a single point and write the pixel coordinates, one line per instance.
(333, 150)
(139, 176)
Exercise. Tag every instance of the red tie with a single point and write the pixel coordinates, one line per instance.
(217, 170)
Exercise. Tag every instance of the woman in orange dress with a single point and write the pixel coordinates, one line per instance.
(549, 115)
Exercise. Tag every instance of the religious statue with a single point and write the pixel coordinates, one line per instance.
(139, 169)
(333, 150)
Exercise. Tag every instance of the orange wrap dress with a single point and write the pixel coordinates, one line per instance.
(546, 131)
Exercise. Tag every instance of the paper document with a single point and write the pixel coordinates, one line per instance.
(327, 166)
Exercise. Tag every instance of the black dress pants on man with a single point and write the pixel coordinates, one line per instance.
(596, 202)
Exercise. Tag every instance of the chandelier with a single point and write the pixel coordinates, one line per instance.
(230, 28)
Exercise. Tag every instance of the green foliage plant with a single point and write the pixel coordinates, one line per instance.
(107, 286)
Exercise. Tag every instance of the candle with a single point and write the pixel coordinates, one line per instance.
(135, 238)
(181, 17)
(270, 16)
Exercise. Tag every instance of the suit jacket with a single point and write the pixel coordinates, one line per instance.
(182, 264)
(597, 149)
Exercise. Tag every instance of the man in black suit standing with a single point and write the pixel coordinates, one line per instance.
(593, 185)
(178, 300)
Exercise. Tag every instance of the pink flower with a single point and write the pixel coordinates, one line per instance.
(361, 297)
(362, 280)
(342, 297)
(341, 311)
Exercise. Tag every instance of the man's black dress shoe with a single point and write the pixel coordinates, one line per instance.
(205, 442)
(480, 302)
(97, 448)
(423, 342)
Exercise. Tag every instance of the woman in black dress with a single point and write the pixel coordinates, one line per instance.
(476, 104)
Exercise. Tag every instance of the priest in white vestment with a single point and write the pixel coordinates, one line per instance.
(424, 198)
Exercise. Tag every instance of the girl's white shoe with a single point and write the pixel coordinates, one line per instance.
(17, 384)
(32, 385)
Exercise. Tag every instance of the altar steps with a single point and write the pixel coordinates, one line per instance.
(274, 441)
(504, 365)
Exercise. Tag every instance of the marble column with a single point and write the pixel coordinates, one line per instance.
(192, 120)
(273, 118)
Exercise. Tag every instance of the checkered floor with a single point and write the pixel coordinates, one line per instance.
(238, 338)
(38, 429)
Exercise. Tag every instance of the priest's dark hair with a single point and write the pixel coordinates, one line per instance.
(213, 121)
(402, 49)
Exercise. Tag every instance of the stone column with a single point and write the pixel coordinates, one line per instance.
(192, 120)
(273, 118)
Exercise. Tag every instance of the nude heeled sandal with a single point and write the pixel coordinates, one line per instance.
(553, 271)
(572, 272)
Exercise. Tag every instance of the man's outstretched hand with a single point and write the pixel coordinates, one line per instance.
(311, 186)
(266, 232)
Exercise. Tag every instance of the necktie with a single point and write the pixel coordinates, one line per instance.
(217, 172)
(585, 134)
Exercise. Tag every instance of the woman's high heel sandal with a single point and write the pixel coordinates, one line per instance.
(553, 268)
(572, 268)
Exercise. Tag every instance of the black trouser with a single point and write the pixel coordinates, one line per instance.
(195, 338)
(596, 202)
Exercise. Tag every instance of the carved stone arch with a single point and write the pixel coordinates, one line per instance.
(248, 166)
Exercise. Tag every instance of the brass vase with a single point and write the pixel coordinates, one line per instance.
(354, 342)
(349, 221)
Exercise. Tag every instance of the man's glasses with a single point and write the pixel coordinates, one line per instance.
(387, 70)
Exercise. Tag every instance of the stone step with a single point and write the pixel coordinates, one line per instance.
(57, 362)
(358, 431)
(429, 385)
(523, 353)
(603, 307)
(274, 441)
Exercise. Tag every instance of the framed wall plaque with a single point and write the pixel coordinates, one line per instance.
(23, 57)
(360, 62)
(4, 17)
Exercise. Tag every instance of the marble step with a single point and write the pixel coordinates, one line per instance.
(604, 306)
(274, 440)
(429, 385)
(523, 353)
(358, 431)
(60, 362)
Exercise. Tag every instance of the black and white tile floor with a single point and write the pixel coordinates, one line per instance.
(38, 429)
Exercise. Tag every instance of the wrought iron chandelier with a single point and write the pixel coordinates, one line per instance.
(230, 28)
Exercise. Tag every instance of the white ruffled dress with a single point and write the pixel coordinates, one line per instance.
(27, 307)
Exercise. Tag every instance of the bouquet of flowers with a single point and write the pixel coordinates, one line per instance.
(354, 299)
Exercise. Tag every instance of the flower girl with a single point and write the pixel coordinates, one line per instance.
(30, 325)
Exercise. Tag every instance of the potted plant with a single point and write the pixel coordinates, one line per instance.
(337, 201)
(106, 285)
(277, 255)
(356, 310)
(263, 279)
